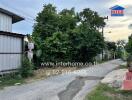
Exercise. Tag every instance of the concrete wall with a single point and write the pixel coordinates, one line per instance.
(5, 23)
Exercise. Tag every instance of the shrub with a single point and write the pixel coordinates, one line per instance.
(10, 79)
(129, 63)
(26, 69)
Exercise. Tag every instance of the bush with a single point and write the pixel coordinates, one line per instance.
(124, 55)
(10, 79)
(26, 69)
(129, 63)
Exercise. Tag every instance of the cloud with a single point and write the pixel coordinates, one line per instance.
(116, 26)
(130, 26)
(125, 20)
(30, 8)
(128, 10)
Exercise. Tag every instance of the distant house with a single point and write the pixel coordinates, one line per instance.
(11, 44)
(117, 11)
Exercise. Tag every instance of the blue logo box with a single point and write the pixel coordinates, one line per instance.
(117, 11)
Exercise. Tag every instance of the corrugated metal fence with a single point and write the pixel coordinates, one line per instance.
(5, 22)
(10, 52)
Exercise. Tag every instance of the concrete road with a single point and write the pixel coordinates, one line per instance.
(72, 86)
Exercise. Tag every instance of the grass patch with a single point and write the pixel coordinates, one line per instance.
(40, 74)
(122, 67)
(104, 92)
(44, 73)
(10, 80)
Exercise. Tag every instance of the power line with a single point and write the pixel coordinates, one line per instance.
(28, 17)
(18, 10)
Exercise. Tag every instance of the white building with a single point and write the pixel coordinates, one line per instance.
(11, 44)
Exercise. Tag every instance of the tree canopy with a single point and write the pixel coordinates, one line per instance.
(67, 35)
(111, 46)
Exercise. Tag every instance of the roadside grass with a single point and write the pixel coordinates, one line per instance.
(44, 73)
(40, 74)
(104, 92)
(10, 80)
(122, 67)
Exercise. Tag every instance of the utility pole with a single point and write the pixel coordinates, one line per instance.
(103, 35)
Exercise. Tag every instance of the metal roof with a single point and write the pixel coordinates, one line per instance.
(15, 17)
(12, 34)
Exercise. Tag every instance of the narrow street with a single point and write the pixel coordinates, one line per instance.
(72, 86)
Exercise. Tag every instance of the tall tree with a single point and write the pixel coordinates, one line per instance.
(61, 38)
(111, 46)
(47, 22)
(91, 43)
(56, 47)
(91, 19)
(121, 48)
(68, 20)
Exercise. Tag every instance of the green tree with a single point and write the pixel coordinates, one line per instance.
(68, 20)
(68, 36)
(121, 47)
(111, 46)
(129, 45)
(56, 47)
(91, 19)
(91, 43)
(47, 22)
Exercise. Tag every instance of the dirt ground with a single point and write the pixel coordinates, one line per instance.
(43, 73)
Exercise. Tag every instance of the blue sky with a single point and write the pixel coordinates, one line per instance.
(29, 9)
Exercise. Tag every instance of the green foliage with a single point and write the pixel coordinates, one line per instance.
(67, 20)
(91, 19)
(47, 22)
(98, 94)
(104, 92)
(68, 36)
(129, 45)
(121, 50)
(56, 47)
(129, 62)
(111, 46)
(26, 68)
(90, 44)
(10, 79)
